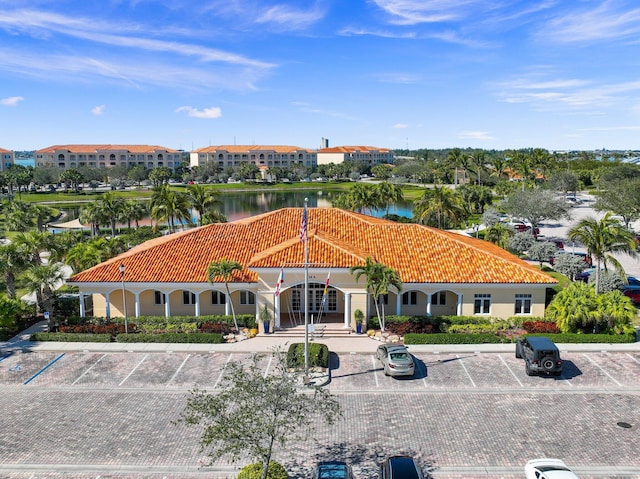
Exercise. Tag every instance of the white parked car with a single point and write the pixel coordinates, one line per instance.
(548, 469)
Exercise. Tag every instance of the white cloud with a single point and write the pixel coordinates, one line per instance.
(292, 18)
(213, 112)
(11, 101)
(98, 110)
(411, 12)
(401, 125)
(476, 135)
(607, 21)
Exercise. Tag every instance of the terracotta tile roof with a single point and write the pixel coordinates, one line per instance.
(337, 239)
(251, 148)
(107, 147)
(353, 149)
(2, 150)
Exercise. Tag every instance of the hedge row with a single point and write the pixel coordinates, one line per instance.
(441, 324)
(71, 337)
(203, 338)
(318, 355)
(590, 338)
(244, 320)
(444, 338)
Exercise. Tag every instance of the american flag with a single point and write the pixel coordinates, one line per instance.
(303, 226)
(326, 289)
(280, 282)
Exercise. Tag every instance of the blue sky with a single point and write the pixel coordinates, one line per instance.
(389, 73)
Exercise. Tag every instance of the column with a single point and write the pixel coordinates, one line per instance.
(81, 305)
(227, 305)
(107, 311)
(459, 305)
(398, 303)
(347, 310)
(197, 305)
(137, 301)
(167, 306)
(429, 296)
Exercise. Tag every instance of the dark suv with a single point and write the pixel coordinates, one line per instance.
(400, 467)
(540, 354)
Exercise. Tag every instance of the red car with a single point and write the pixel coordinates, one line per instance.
(633, 293)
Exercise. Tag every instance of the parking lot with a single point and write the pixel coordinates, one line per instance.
(466, 415)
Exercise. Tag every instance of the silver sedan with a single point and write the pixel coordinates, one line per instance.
(396, 360)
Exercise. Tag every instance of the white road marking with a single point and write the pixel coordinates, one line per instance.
(375, 373)
(512, 373)
(133, 370)
(632, 358)
(465, 370)
(178, 370)
(90, 368)
(222, 371)
(601, 369)
(266, 372)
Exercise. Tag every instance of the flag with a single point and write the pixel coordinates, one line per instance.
(279, 282)
(303, 225)
(326, 288)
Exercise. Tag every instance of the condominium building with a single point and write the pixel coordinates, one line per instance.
(107, 156)
(225, 156)
(8, 159)
(368, 155)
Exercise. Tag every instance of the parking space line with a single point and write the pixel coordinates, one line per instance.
(465, 370)
(90, 368)
(6, 355)
(632, 358)
(44, 369)
(222, 371)
(601, 369)
(375, 372)
(512, 373)
(134, 369)
(266, 371)
(178, 370)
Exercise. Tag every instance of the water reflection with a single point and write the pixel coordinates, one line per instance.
(239, 205)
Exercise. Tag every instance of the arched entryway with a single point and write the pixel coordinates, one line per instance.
(323, 308)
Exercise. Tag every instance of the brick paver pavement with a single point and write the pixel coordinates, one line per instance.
(463, 416)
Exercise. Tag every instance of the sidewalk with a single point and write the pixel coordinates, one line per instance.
(352, 344)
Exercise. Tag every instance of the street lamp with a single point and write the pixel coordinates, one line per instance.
(124, 299)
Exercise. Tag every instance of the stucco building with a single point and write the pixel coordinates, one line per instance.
(8, 158)
(443, 273)
(106, 156)
(367, 155)
(229, 156)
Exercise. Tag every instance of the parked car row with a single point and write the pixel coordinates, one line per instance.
(405, 467)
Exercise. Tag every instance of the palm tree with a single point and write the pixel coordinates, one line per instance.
(601, 238)
(201, 199)
(572, 307)
(12, 261)
(499, 234)
(111, 207)
(455, 158)
(134, 210)
(93, 215)
(224, 269)
(389, 193)
(439, 207)
(168, 205)
(379, 278)
(520, 162)
(364, 197)
(43, 280)
(84, 255)
(33, 243)
(478, 159)
(616, 310)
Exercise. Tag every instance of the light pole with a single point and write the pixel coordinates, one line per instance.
(124, 299)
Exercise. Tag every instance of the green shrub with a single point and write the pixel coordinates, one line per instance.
(575, 338)
(203, 338)
(477, 328)
(318, 355)
(444, 338)
(71, 337)
(254, 471)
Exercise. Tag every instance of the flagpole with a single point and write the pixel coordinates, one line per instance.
(306, 292)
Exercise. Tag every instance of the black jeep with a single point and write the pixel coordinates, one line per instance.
(540, 354)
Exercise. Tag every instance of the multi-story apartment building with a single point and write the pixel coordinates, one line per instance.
(8, 158)
(368, 155)
(107, 156)
(226, 156)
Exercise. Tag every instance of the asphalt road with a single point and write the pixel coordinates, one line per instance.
(468, 415)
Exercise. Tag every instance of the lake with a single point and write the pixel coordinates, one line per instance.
(239, 205)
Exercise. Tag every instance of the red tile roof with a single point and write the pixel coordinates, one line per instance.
(337, 239)
(2, 150)
(250, 148)
(95, 148)
(352, 149)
